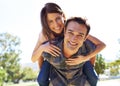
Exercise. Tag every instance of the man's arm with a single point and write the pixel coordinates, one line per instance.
(92, 60)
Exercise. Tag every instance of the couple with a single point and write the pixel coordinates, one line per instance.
(67, 55)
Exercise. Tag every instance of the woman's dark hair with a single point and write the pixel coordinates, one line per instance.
(48, 8)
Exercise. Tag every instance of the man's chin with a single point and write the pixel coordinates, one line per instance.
(72, 48)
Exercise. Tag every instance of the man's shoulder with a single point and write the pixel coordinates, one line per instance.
(57, 40)
(89, 45)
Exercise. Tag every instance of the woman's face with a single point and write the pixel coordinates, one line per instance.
(55, 22)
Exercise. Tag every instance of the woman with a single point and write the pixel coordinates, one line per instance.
(52, 20)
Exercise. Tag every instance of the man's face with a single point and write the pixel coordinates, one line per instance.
(74, 36)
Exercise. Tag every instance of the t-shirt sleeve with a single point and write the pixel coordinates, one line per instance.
(88, 47)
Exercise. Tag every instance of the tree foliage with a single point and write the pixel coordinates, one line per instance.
(2, 75)
(9, 56)
(10, 68)
(29, 74)
(100, 64)
(114, 67)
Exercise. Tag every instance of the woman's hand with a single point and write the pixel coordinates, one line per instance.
(75, 61)
(51, 49)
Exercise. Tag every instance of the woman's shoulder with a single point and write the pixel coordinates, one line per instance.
(42, 38)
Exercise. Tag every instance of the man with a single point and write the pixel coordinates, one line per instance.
(61, 73)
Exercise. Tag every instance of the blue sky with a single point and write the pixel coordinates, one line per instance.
(21, 18)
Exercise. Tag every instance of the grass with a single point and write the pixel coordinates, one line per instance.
(22, 84)
(112, 82)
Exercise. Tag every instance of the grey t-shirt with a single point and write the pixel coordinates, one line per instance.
(62, 74)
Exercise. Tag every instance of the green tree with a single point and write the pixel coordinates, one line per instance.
(2, 75)
(114, 67)
(9, 56)
(99, 64)
(29, 74)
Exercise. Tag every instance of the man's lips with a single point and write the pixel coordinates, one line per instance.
(72, 43)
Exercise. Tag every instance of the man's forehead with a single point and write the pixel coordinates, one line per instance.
(74, 26)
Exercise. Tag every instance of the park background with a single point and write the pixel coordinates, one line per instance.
(22, 18)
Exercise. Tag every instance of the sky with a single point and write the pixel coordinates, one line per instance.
(22, 18)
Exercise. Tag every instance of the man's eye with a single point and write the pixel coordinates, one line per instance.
(80, 36)
(70, 33)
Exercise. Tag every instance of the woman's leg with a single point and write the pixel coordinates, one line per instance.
(89, 71)
(43, 77)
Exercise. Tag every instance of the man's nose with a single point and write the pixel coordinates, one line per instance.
(74, 37)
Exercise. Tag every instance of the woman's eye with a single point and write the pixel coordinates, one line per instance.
(50, 22)
(58, 19)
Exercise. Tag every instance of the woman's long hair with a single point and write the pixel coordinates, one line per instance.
(49, 8)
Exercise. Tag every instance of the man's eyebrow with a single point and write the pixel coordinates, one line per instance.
(70, 30)
(81, 33)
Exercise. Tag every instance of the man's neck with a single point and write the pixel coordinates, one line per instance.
(67, 52)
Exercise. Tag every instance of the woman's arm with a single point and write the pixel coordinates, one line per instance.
(99, 46)
(40, 47)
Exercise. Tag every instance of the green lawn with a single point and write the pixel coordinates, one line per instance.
(22, 84)
(113, 82)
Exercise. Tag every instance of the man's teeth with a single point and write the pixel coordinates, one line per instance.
(73, 43)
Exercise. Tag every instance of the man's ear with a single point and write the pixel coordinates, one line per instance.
(86, 37)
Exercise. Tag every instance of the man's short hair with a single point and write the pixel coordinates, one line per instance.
(80, 21)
